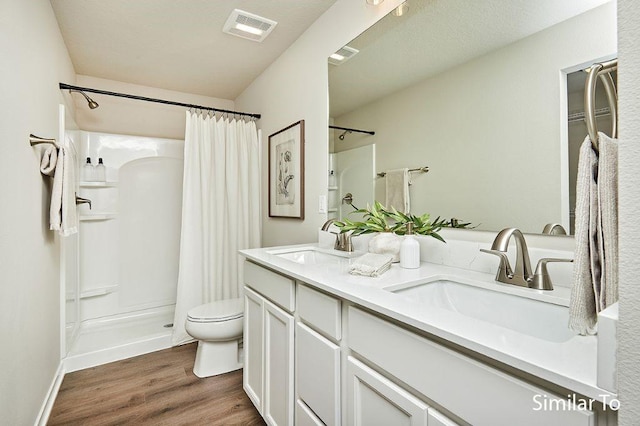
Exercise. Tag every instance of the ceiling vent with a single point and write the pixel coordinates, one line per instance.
(343, 55)
(247, 25)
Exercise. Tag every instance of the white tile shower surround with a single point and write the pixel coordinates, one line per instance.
(570, 364)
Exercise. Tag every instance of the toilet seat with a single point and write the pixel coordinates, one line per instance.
(218, 311)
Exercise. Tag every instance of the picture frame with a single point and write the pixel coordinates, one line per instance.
(286, 172)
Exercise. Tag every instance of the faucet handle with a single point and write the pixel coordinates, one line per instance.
(541, 278)
(504, 269)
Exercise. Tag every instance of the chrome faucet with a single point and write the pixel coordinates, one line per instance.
(554, 229)
(522, 276)
(343, 239)
(327, 224)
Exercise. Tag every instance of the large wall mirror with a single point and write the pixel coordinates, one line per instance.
(477, 92)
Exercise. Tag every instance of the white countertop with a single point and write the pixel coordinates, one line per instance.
(570, 364)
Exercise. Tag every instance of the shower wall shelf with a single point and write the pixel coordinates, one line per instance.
(99, 291)
(333, 188)
(98, 184)
(96, 217)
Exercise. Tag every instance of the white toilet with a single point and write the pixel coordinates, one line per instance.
(218, 328)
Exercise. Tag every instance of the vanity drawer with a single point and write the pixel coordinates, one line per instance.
(305, 417)
(320, 311)
(473, 391)
(275, 287)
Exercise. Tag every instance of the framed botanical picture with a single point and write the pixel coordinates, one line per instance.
(286, 172)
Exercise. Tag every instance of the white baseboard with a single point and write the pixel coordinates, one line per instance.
(52, 393)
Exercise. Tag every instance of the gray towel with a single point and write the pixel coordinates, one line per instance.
(608, 211)
(595, 282)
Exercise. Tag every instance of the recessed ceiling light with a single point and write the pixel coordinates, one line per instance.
(374, 2)
(342, 55)
(247, 25)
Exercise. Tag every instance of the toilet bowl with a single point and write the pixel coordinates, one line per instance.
(218, 328)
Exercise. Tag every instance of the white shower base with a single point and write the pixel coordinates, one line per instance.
(114, 338)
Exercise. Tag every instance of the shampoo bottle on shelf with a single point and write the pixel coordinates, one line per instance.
(409, 250)
(88, 172)
(101, 171)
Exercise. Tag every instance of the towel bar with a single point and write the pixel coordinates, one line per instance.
(37, 140)
(424, 169)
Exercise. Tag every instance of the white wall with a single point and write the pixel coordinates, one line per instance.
(134, 117)
(34, 60)
(629, 219)
(295, 87)
(493, 117)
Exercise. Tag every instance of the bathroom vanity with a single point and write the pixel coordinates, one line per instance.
(437, 345)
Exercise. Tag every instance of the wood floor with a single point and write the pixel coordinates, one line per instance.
(154, 389)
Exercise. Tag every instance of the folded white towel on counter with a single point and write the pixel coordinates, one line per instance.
(371, 265)
(398, 190)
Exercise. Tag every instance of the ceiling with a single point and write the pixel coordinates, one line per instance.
(178, 45)
(433, 37)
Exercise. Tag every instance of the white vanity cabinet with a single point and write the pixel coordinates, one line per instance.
(268, 344)
(317, 370)
(313, 358)
(477, 393)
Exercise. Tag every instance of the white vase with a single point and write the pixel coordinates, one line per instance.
(386, 243)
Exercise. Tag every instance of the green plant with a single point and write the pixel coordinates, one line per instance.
(378, 218)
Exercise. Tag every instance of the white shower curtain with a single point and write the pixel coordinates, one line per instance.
(220, 211)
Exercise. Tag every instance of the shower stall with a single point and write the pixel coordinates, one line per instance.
(121, 270)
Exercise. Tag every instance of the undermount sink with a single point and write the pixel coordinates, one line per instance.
(312, 255)
(532, 317)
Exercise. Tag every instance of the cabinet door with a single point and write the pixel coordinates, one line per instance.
(253, 349)
(374, 400)
(278, 366)
(438, 419)
(318, 374)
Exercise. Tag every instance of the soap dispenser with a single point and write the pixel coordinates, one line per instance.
(409, 250)
(88, 172)
(101, 171)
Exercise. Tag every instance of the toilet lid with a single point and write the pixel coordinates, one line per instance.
(221, 310)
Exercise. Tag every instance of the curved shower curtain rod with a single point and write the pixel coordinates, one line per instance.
(159, 101)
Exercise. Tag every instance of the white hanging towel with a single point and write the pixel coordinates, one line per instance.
(398, 190)
(595, 274)
(62, 212)
(49, 160)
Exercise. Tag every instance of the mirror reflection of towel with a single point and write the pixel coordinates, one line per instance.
(398, 190)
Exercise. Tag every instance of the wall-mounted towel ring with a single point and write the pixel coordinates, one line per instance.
(602, 70)
(37, 140)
